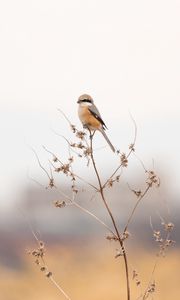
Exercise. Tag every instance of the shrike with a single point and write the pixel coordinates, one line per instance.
(90, 116)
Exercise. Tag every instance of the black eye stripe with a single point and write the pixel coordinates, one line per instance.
(86, 100)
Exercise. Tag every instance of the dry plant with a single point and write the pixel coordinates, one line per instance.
(83, 148)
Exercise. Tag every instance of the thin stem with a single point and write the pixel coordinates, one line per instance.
(116, 170)
(131, 150)
(73, 202)
(59, 288)
(94, 216)
(83, 180)
(135, 206)
(40, 165)
(145, 295)
(101, 190)
(150, 280)
(64, 116)
(45, 265)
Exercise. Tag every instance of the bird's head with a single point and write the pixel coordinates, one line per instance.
(86, 99)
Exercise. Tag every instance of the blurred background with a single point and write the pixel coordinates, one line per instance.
(126, 56)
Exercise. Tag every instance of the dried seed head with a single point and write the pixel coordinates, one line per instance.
(73, 145)
(74, 189)
(112, 238)
(124, 160)
(164, 242)
(135, 277)
(71, 159)
(48, 274)
(110, 182)
(131, 147)
(59, 204)
(87, 152)
(152, 179)
(125, 235)
(55, 159)
(73, 128)
(58, 169)
(65, 168)
(80, 146)
(168, 227)
(151, 288)
(51, 183)
(37, 262)
(41, 244)
(117, 178)
(80, 134)
(138, 193)
(118, 253)
(35, 253)
(135, 274)
(157, 235)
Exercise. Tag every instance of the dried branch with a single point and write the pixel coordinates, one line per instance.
(51, 179)
(84, 150)
(135, 206)
(73, 202)
(40, 165)
(55, 159)
(122, 164)
(101, 190)
(39, 259)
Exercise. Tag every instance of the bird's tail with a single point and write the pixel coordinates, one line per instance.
(108, 141)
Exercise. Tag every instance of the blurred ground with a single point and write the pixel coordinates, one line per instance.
(90, 271)
(80, 257)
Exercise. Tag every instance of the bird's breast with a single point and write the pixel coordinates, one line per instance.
(88, 119)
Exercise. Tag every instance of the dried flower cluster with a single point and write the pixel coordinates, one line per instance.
(152, 179)
(124, 160)
(164, 242)
(150, 290)
(59, 204)
(38, 255)
(112, 238)
(136, 277)
(111, 181)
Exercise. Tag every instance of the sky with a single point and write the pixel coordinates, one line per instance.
(125, 54)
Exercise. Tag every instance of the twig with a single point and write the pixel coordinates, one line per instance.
(94, 216)
(59, 287)
(73, 202)
(38, 254)
(83, 180)
(41, 166)
(75, 175)
(48, 151)
(101, 190)
(131, 150)
(135, 206)
(64, 116)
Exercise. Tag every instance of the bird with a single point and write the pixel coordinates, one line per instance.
(90, 117)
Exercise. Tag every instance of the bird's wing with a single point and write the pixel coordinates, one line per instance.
(95, 112)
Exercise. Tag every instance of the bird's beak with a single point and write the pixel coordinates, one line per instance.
(78, 101)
